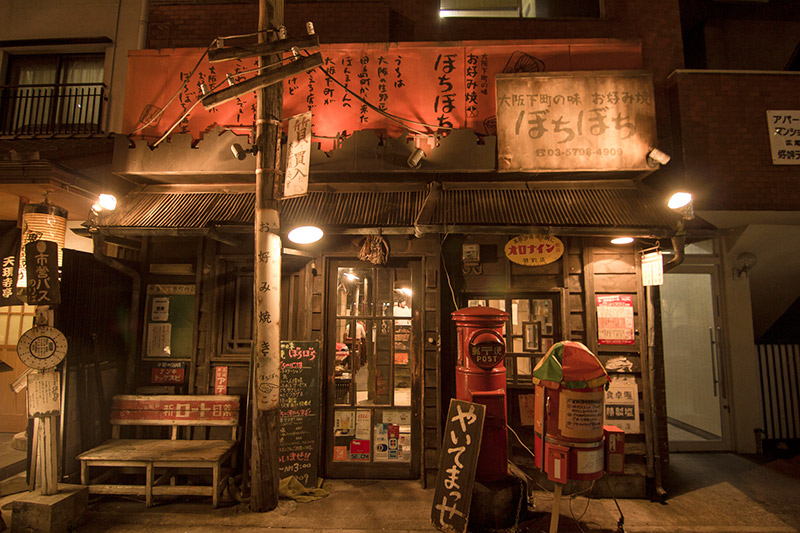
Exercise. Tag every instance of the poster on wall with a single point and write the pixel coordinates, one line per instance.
(169, 321)
(615, 319)
(622, 404)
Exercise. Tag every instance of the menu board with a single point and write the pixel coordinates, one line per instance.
(299, 407)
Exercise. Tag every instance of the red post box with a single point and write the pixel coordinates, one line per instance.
(481, 378)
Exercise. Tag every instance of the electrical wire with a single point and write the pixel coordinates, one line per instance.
(447, 274)
(215, 87)
(621, 521)
(520, 441)
(174, 96)
(588, 501)
(395, 118)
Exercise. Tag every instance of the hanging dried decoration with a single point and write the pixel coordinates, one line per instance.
(374, 248)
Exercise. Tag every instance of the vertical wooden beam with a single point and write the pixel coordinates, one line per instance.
(588, 289)
(264, 474)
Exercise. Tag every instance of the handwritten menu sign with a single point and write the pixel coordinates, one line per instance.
(44, 394)
(300, 407)
(458, 459)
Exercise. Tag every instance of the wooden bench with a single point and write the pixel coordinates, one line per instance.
(162, 457)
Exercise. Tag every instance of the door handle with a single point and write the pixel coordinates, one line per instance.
(713, 360)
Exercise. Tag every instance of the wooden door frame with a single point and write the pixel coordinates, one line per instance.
(388, 470)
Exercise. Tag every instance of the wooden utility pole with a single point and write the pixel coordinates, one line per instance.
(264, 474)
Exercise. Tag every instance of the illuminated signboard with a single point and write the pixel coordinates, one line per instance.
(574, 121)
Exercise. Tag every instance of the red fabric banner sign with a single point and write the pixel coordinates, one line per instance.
(432, 84)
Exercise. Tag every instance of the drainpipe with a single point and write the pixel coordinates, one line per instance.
(144, 14)
(678, 243)
(98, 240)
(428, 206)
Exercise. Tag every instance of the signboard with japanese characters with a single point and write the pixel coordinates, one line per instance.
(299, 398)
(652, 269)
(450, 85)
(568, 121)
(221, 380)
(534, 250)
(458, 459)
(622, 404)
(298, 155)
(42, 274)
(784, 136)
(615, 319)
(44, 393)
(168, 373)
(9, 248)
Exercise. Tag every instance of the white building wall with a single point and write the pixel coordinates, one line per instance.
(70, 19)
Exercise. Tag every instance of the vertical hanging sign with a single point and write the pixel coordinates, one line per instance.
(615, 319)
(221, 380)
(298, 155)
(652, 269)
(42, 273)
(9, 246)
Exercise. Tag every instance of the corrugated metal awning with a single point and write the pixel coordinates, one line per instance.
(584, 208)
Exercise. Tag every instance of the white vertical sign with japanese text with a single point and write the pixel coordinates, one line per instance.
(784, 137)
(652, 269)
(622, 404)
(298, 155)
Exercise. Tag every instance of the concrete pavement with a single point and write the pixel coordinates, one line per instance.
(706, 493)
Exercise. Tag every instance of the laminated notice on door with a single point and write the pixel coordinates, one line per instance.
(580, 414)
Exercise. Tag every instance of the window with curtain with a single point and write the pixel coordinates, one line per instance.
(544, 9)
(54, 93)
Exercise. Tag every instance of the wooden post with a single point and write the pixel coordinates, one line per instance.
(264, 474)
(556, 510)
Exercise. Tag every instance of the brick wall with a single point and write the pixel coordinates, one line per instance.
(725, 141)
(187, 25)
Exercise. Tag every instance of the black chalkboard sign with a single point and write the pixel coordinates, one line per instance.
(458, 459)
(299, 406)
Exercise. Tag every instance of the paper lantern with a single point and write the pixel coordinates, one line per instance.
(47, 222)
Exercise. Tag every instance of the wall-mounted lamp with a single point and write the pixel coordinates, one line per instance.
(622, 240)
(240, 153)
(745, 262)
(105, 202)
(683, 203)
(415, 159)
(305, 234)
(656, 158)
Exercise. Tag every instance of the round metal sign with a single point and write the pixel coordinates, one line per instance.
(42, 347)
(534, 250)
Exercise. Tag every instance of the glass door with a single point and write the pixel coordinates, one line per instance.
(697, 403)
(372, 428)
